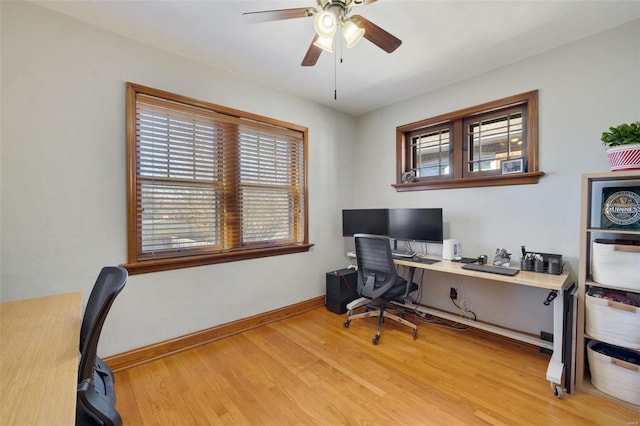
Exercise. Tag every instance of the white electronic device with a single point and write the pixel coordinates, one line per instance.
(450, 249)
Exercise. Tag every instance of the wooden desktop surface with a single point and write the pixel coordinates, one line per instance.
(39, 341)
(527, 278)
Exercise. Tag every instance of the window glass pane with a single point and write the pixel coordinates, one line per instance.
(494, 139)
(178, 217)
(270, 178)
(175, 145)
(177, 159)
(266, 215)
(431, 153)
(264, 160)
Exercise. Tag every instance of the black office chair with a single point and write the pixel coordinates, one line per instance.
(96, 398)
(378, 283)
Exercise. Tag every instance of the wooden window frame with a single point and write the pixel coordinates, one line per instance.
(139, 262)
(457, 177)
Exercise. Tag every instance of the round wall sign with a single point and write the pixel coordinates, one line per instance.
(623, 208)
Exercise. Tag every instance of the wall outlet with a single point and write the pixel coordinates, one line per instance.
(453, 293)
(545, 335)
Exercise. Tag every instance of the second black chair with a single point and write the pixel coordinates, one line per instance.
(96, 398)
(378, 283)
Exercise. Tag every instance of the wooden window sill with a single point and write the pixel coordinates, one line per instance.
(156, 265)
(501, 180)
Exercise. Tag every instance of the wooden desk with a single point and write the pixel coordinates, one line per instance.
(39, 341)
(526, 278)
(556, 283)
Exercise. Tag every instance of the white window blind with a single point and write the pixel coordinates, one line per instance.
(270, 178)
(208, 182)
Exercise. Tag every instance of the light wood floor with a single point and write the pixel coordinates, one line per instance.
(310, 370)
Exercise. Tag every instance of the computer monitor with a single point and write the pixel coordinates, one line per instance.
(365, 221)
(416, 224)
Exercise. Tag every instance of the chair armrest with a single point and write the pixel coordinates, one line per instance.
(407, 288)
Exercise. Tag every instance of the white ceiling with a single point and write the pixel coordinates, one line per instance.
(443, 41)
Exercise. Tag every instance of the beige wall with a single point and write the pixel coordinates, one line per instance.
(63, 183)
(64, 180)
(584, 88)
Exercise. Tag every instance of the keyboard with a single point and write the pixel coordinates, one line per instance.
(425, 260)
(466, 260)
(403, 254)
(492, 269)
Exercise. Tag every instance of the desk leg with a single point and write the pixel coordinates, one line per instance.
(556, 366)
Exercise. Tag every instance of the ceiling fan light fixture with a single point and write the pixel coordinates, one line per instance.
(352, 33)
(326, 23)
(324, 43)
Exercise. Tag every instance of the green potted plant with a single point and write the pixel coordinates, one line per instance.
(623, 146)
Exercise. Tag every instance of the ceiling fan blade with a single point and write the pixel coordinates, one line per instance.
(312, 55)
(277, 15)
(376, 35)
(364, 2)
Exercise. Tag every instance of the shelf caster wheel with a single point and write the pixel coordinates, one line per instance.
(415, 334)
(557, 390)
(376, 339)
(346, 324)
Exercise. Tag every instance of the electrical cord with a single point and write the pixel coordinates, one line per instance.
(424, 248)
(441, 322)
(465, 306)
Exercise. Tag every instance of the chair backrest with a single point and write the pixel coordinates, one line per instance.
(376, 270)
(109, 283)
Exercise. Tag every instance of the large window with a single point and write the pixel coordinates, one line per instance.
(208, 184)
(490, 144)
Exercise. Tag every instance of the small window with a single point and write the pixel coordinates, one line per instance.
(468, 148)
(208, 184)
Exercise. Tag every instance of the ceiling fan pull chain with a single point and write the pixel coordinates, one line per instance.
(335, 85)
(335, 75)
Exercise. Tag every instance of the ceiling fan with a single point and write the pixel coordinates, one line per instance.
(329, 15)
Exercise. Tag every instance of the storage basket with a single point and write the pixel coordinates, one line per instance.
(615, 371)
(616, 263)
(612, 321)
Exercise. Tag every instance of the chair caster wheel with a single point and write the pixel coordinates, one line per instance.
(376, 339)
(346, 324)
(415, 334)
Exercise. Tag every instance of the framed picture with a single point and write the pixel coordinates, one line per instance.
(620, 207)
(515, 165)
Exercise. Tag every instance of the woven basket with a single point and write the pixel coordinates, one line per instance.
(613, 322)
(612, 375)
(616, 265)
